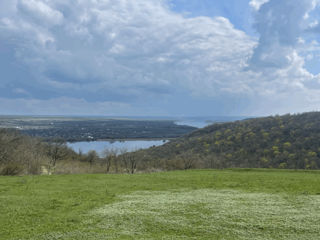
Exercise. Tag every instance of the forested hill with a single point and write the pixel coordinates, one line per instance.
(289, 141)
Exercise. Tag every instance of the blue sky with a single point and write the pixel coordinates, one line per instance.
(159, 57)
(237, 11)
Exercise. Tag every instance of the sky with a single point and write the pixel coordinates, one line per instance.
(159, 57)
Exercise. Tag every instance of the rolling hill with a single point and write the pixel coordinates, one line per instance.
(289, 141)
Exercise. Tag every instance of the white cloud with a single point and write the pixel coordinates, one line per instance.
(40, 11)
(256, 4)
(121, 43)
(280, 24)
(62, 105)
(141, 49)
(282, 52)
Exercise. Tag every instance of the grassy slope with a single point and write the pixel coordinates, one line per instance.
(229, 204)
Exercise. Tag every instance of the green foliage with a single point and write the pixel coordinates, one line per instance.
(289, 141)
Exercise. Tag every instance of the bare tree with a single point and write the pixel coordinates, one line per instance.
(20, 154)
(188, 160)
(9, 142)
(109, 157)
(116, 164)
(56, 151)
(92, 156)
(129, 161)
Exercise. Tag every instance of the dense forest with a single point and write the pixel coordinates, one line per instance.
(289, 141)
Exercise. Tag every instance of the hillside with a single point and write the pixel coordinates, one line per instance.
(289, 141)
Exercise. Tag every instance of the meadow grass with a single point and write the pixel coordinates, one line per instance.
(198, 204)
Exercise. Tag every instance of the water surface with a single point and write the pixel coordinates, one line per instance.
(100, 146)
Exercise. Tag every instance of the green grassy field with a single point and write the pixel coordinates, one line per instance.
(203, 204)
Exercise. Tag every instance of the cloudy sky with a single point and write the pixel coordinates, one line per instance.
(159, 57)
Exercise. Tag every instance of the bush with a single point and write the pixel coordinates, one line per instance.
(11, 169)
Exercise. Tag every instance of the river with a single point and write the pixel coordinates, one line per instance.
(100, 146)
(133, 145)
